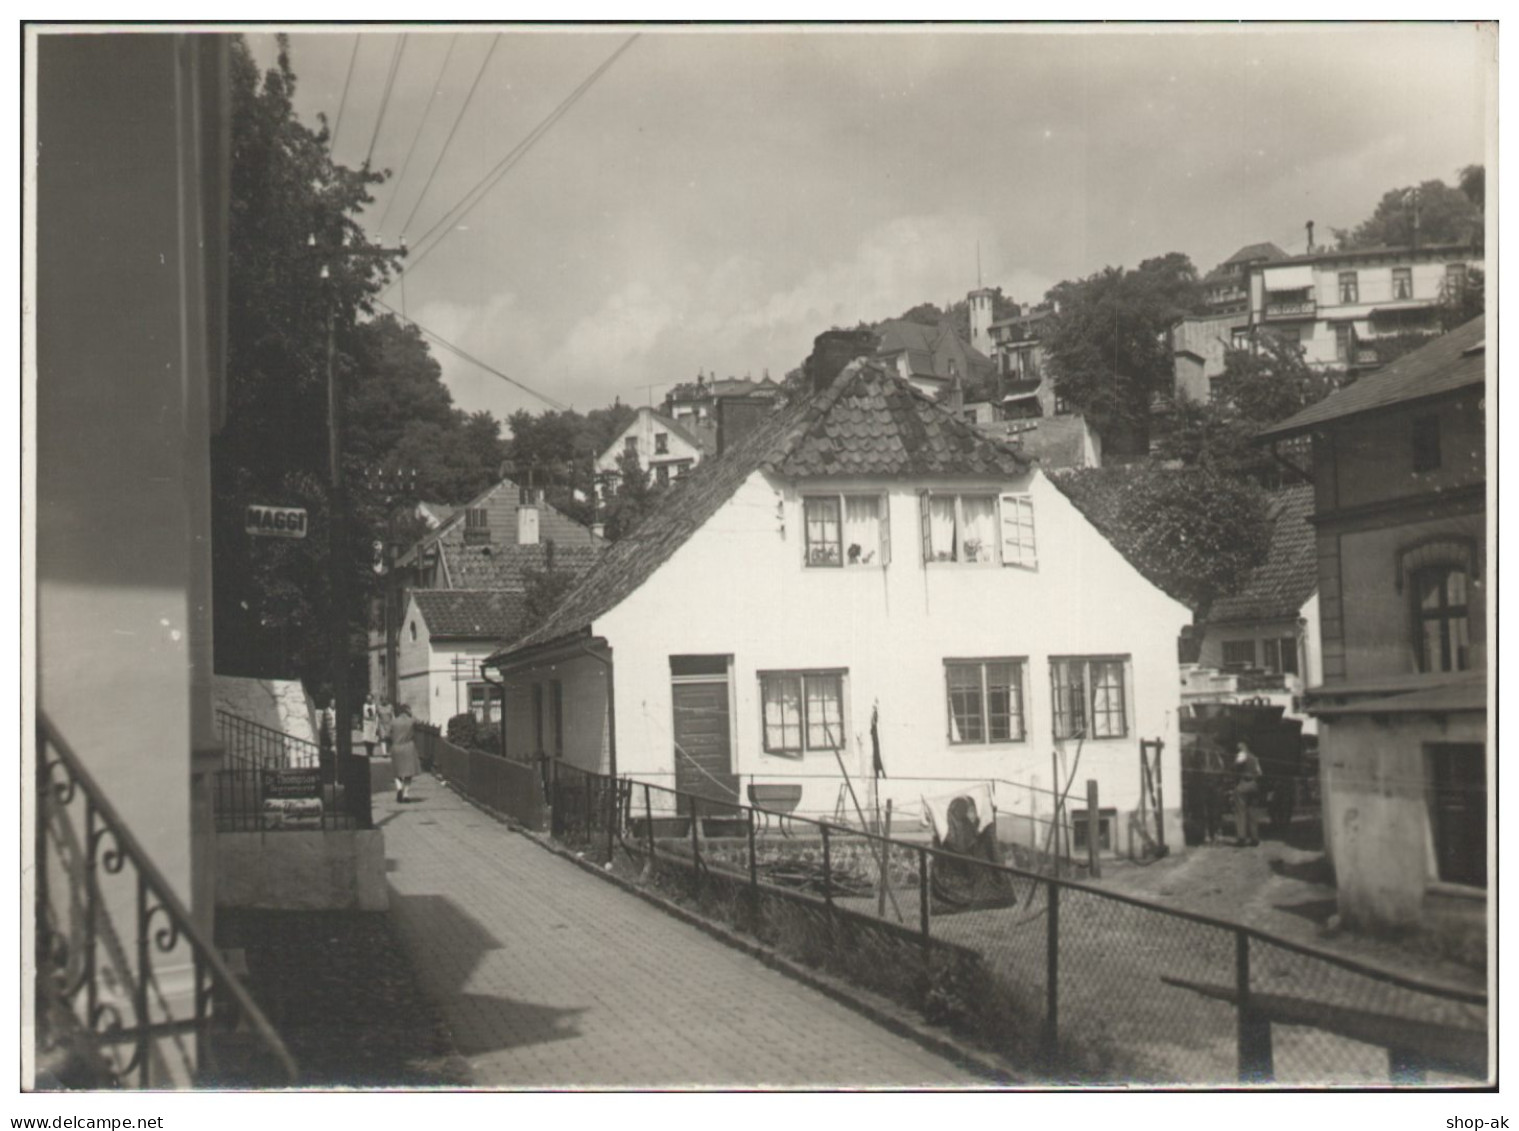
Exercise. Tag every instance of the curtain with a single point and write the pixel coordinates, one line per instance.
(825, 719)
(979, 538)
(965, 703)
(783, 714)
(941, 526)
(862, 530)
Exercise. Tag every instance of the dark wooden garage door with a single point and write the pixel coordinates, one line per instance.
(703, 753)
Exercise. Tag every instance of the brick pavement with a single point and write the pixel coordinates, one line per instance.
(549, 977)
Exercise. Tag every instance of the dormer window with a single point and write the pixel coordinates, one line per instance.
(477, 525)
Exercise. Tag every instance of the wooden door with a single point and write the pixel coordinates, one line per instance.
(703, 751)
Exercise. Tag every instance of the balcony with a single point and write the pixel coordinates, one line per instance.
(1295, 310)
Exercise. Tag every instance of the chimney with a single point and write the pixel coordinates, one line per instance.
(598, 530)
(831, 351)
(1310, 237)
(527, 523)
(736, 417)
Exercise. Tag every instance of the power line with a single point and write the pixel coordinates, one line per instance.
(505, 165)
(457, 352)
(390, 82)
(342, 102)
(452, 129)
(416, 137)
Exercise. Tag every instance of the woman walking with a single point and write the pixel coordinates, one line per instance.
(386, 717)
(403, 750)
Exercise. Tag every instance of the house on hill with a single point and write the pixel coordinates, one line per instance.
(862, 552)
(1400, 522)
(496, 543)
(445, 633)
(1226, 288)
(931, 358)
(1265, 637)
(665, 447)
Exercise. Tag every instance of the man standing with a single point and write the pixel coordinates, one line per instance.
(1247, 784)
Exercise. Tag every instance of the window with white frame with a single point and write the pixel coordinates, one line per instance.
(1088, 696)
(978, 529)
(846, 530)
(802, 710)
(1402, 283)
(1350, 287)
(485, 702)
(985, 700)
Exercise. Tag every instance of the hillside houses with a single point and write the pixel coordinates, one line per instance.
(460, 590)
(894, 562)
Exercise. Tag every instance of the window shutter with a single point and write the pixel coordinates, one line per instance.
(924, 529)
(1018, 532)
(886, 530)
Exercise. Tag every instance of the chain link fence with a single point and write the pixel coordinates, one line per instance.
(1080, 984)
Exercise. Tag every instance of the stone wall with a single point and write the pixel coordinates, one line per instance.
(280, 704)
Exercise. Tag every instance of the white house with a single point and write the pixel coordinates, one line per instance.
(445, 633)
(861, 551)
(666, 448)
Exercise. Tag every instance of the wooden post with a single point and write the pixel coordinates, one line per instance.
(1254, 1035)
(1052, 976)
(1160, 798)
(1094, 825)
(923, 865)
(885, 863)
(753, 870)
(828, 878)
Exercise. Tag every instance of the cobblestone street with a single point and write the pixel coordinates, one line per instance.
(549, 977)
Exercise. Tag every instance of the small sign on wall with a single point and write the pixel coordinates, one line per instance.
(293, 799)
(274, 522)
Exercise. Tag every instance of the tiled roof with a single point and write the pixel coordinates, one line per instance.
(1051, 441)
(504, 566)
(690, 437)
(868, 422)
(481, 613)
(1449, 363)
(1278, 587)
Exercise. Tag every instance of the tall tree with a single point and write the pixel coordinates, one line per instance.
(1445, 215)
(1106, 345)
(300, 273)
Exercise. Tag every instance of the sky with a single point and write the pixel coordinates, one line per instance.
(717, 197)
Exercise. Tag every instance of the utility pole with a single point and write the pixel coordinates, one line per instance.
(392, 486)
(337, 525)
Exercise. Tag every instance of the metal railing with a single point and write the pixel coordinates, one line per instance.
(1087, 984)
(118, 950)
(259, 760)
(248, 745)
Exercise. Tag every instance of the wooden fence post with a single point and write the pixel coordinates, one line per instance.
(648, 820)
(923, 925)
(695, 848)
(753, 871)
(885, 864)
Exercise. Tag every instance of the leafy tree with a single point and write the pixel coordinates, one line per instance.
(300, 273)
(1106, 346)
(558, 450)
(633, 499)
(1446, 215)
(1194, 533)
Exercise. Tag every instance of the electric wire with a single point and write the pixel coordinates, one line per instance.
(459, 117)
(457, 352)
(507, 163)
(416, 137)
(342, 102)
(390, 82)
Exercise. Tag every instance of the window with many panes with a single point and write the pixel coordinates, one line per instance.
(1442, 628)
(846, 530)
(1088, 695)
(985, 700)
(1458, 810)
(977, 529)
(1280, 655)
(1402, 283)
(802, 710)
(1350, 288)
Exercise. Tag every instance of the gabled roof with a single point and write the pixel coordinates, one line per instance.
(868, 422)
(1050, 441)
(504, 565)
(1278, 587)
(475, 613)
(684, 433)
(1449, 363)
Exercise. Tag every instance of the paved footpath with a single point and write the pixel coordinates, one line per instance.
(549, 977)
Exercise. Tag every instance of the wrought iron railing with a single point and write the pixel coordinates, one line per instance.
(253, 746)
(119, 950)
